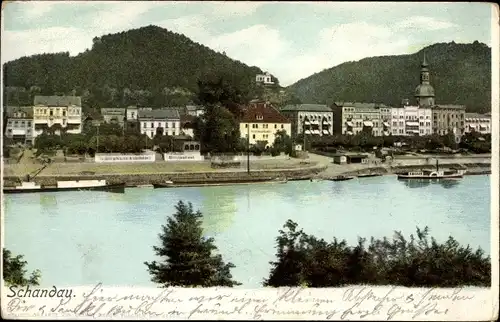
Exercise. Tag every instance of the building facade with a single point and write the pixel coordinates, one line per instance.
(20, 126)
(194, 110)
(353, 118)
(114, 115)
(265, 78)
(480, 123)
(449, 119)
(313, 119)
(261, 123)
(63, 112)
(167, 120)
(411, 120)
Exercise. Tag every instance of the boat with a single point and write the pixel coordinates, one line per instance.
(433, 174)
(170, 184)
(367, 175)
(68, 185)
(341, 178)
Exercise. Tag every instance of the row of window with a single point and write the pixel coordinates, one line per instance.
(402, 123)
(315, 117)
(19, 123)
(402, 131)
(443, 124)
(264, 126)
(166, 124)
(73, 111)
(254, 136)
(453, 116)
(151, 134)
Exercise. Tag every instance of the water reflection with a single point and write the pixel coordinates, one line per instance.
(420, 183)
(219, 209)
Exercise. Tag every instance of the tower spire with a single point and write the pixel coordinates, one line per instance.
(424, 63)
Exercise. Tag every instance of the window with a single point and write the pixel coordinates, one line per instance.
(275, 126)
(29, 123)
(22, 123)
(246, 126)
(152, 124)
(133, 115)
(15, 123)
(281, 125)
(64, 113)
(144, 124)
(64, 122)
(394, 123)
(51, 113)
(159, 124)
(253, 136)
(421, 123)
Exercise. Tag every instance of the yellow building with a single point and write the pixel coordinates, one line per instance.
(261, 122)
(65, 111)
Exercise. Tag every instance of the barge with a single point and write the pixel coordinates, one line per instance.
(70, 185)
(171, 184)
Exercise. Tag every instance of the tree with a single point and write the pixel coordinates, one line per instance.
(283, 142)
(187, 255)
(14, 270)
(421, 261)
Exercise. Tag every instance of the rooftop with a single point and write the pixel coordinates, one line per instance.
(450, 106)
(261, 114)
(11, 110)
(58, 100)
(159, 114)
(361, 105)
(477, 116)
(306, 108)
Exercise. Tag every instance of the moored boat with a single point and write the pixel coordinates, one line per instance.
(341, 178)
(367, 175)
(170, 184)
(68, 185)
(433, 174)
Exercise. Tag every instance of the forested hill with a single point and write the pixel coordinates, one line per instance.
(460, 74)
(147, 66)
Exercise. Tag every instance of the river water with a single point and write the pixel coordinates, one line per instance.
(81, 238)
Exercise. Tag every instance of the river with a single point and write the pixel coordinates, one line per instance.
(81, 238)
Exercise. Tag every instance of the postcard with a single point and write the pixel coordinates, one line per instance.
(250, 160)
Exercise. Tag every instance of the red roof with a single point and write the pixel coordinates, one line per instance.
(262, 113)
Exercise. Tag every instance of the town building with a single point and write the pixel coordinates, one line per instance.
(113, 115)
(187, 125)
(61, 112)
(313, 119)
(20, 126)
(449, 119)
(424, 93)
(265, 79)
(480, 123)
(194, 110)
(166, 120)
(411, 120)
(351, 118)
(261, 122)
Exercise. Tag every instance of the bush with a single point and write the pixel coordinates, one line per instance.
(306, 260)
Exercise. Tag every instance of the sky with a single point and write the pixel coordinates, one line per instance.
(290, 40)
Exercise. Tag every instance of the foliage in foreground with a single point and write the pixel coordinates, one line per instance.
(14, 270)
(306, 260)
(187, 255)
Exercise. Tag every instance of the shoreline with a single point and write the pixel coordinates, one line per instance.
(324, 170)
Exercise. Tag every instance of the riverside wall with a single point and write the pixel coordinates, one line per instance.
(180, 177)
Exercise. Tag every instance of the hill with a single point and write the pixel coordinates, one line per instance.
(146, 66)
(460, 74)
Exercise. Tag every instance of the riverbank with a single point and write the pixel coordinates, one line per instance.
(475, 165)
(180, 173)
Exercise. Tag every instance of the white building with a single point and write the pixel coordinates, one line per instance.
(475, 122)
(351, 118)
(194, 110)
(20, 125)
(314, 119)
(411, 120)
(265, 78)
(64, 111)
(167, 119)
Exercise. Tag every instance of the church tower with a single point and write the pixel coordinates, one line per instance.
(424, 93)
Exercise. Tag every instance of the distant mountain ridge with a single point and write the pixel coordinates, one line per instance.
(150, 62)
(459, 73)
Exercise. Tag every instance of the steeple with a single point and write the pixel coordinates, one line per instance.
(424, 63)
(424, 93)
